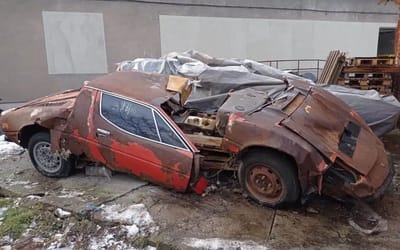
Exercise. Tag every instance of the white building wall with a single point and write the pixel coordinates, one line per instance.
(268, 39)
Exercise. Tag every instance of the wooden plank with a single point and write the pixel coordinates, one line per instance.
(366, 82)
(361, 61)
(333, 67)
(372, 69)
(367, 75)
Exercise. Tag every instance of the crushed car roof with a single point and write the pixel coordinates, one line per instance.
(147, 87)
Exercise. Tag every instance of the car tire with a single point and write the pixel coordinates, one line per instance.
(269, 178)
(47, 163)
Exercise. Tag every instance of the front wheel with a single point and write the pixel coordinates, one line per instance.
(47, 163)
(269, 178)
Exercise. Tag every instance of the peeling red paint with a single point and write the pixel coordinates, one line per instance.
(145, 163)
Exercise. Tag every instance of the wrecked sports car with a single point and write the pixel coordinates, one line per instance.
(283, 143)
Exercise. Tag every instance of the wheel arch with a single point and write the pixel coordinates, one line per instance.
(268, 150)
(26, 132)
(289, 174)
(298, 168)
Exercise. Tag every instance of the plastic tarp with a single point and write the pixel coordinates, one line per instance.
(380, 112)
(213, 78)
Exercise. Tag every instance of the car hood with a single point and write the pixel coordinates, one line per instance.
(44, 111)
(335, 130)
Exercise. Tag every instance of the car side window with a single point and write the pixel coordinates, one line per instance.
(167, 135)
(129, 116)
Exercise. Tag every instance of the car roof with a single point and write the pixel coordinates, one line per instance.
(142, 86)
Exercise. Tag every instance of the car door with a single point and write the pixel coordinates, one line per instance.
(135, 137)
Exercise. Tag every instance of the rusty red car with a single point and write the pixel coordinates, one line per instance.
(282, 147)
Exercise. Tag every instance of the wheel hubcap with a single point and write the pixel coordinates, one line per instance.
(265, 184)
(45, 159)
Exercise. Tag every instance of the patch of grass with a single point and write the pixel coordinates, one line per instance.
(15, 221)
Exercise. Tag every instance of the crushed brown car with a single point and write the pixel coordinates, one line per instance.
(283, 144)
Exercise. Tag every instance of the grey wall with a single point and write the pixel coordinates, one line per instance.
(131, 29)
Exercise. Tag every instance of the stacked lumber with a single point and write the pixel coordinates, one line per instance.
(333, 67)
(369, 73)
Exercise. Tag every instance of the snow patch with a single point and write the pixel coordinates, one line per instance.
(216, 243)
(136, 214)
(26, 184)
(2, 211)
(132, 230)
(107, 242)
(60, 246)
(70, 194)
(33, 197)
(8, 149)
(13, 183)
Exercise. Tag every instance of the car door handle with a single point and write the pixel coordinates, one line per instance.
(102, 132)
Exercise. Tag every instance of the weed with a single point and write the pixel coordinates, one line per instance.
(15, 221)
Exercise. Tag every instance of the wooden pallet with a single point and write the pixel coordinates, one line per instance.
(366, 75)
(371, 61)
(376, 73)
(366, 81)
(382, 86)
(382, 91)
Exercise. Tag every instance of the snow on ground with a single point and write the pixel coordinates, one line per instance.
(59, 246)
(26, 184)
(2, 211)
(8, 149)
(108, 241)
(216, 243)
(133, 215)
(70, 194)
(132, 230)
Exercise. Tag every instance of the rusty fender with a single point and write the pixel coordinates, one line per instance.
(310, 162)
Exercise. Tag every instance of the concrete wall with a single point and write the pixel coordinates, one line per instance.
(130, 29)
(268, 39)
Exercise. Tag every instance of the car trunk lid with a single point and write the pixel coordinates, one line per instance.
(334, 129)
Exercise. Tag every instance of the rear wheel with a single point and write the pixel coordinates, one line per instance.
(269, 178)
(47, 163)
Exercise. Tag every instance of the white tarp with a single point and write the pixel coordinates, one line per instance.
(214, 77)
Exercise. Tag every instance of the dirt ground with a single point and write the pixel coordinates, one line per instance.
(123, 212)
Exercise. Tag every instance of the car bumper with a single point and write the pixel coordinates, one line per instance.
(341, 184)
(374, 185)
(382, 189)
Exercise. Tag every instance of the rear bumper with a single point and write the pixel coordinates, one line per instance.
(367, 188)
(382, 189)
(342, 184)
